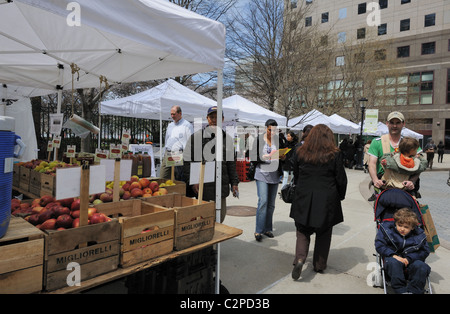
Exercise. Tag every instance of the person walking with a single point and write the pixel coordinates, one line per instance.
(267, 177)
(291, 142)
(440, 148)
(430, 149)
(321, 185)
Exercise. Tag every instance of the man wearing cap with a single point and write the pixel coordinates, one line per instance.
(194, 152)
(395, 123)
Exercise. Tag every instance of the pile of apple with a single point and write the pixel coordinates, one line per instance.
(46, 167)
(135, 187)
(48, 214)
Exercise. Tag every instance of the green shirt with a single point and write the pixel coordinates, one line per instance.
(376, 150)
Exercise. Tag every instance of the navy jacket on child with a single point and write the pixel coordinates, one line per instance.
(413, 246)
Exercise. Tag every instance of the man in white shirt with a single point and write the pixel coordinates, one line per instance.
(177, 135)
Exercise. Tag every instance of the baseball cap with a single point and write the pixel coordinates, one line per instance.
(396, 115)
(212, 110)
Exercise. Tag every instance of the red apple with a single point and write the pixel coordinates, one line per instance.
(49, 224)
(67, 202)
(97, 218)
(76, 223)
(46, 199)
(154, 186)
(75, 204)
(34, 219)
(61, 211)
(144, 182)
(136, 193)
(135, 185)
(75, 213)
(91, 211)
(64, 221)
(163, 191)
(126, 195)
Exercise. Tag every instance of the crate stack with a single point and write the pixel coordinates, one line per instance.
(242, 170)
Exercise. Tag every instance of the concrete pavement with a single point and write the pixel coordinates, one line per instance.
(251, 267)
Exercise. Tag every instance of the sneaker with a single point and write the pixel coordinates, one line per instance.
(297, 271)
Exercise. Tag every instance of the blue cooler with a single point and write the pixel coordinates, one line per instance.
(8, 142)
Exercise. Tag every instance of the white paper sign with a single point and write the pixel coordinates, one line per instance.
(68, 181)
(125, 169)
(210, 172)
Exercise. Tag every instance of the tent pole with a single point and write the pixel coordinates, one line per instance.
(3, 100)
(219, 158)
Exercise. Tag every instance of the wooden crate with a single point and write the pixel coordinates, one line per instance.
(100, 256)
(147, 232)
(16, 175)
(35, 179)
(24, 182)
(48, 184)
(21, 258)
(194, 223)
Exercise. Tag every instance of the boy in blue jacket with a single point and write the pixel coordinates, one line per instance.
(404, 246)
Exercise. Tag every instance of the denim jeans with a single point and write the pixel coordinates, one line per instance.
(286, 178)
(418, 272)
(267, 194)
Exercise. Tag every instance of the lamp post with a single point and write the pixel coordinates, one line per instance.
(360, 153)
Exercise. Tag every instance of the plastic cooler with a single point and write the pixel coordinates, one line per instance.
(8, 142)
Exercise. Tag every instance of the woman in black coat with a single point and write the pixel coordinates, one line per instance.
(321, 184)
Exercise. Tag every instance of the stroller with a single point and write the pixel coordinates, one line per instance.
(386, 204)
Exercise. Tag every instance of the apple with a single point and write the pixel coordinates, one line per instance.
(91, 211)
(126, 186)
(64, 221)
(154, 186)
(135, 185)
(75, 214)
(97, 218)
(126, 195)
(97, 201)
(66, 202)
(34, 219)
(147, 191)
(49, 224)
(46, 199)
(61, 211)
(37, 209)
(105, 197)
(147, 195)
(134, 178)
(45, 214)
(163, 191)
(76, 223)
(75, 205)
(144, 182)
(136, 193)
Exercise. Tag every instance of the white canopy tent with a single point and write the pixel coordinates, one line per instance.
(250, 113)
(122, 40)
(155, 103)
(315, 117)
(353, 127)
(117, 40)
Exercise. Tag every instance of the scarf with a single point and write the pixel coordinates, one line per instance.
(408, 162)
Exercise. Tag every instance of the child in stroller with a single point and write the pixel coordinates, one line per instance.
(401, 242)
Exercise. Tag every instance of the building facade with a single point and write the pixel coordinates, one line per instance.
(416, 34)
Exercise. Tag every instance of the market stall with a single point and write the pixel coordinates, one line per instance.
(49, 46)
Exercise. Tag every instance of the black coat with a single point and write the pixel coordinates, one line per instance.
(319, 192)
(193, 154)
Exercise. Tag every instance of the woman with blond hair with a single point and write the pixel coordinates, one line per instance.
(321, 184)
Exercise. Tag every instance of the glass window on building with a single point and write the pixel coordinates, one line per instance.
(403, 52)
(342, 13)
(380, 54)
(405, 1)
(429, 48)
(361, 33)
(340, 61)
(325, 17)
(404, 25)
(383, 4)
(308, 21)
(420, 90)
(362, 7)
(430, 19)
(342, 37)
(382, 29)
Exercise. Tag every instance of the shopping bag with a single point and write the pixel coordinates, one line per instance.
(429, 228)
